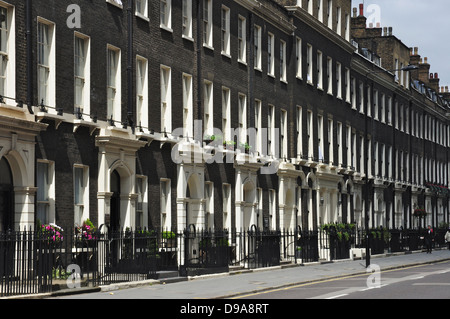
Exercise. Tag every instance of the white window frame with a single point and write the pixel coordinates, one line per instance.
(330, 14)
(339, 80)
(284, 134)
(319, 70)
(117, 3)
(299, 58)
(188, 106)
(83, 79)
(339, 21)
(320, 142)
(114, 84)
(209, 205)
(208, 112)
(330, 75)
(258, 48)
(348, 84)
(331, 141)
(81, 206)
(242, 117)
(8, 52)
(187, 19)
(141, 9)
(49, 201)
(258, 126)
(309, 61)
(283, 64)
(47, 63)
(165, 15)
(226, 205)
(340, 144)
(165, 203)
(271, 131)
(226, 114)
(271, 54)
(299, 132)
(242, 40)
(141, 219)
(142, 92)
(166, 98)
(207, 24)
(225, 28)
(310, 132)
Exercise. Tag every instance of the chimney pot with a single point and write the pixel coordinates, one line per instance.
(416, 50)
(390, 31)
(371, 25)
(425, 59)
(431, 75)
(378, 25)
(361, 9)
(436, 76)
(446, 89)
(355, 12)
(385, 31)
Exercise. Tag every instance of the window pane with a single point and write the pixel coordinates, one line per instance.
(42, 181)
(3, 29)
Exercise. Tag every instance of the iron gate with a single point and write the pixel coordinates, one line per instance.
(205, 252)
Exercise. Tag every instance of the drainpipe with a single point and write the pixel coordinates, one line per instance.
(29, 57)
(198, 131)
(130, 116)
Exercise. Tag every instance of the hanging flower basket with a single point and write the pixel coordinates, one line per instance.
(419, 212)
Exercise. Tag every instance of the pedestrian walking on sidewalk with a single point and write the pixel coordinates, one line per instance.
(429, 238)
(447, 238)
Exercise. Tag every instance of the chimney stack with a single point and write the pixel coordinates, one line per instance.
(434, 81)
(424, 71)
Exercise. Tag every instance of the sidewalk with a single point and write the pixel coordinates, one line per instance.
(232, 284)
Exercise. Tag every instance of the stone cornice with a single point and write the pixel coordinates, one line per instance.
(324, 30)
(267, 14)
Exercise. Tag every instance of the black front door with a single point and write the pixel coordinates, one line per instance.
(6, 196)
(115, 202)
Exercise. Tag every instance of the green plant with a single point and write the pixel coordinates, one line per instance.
(245, 146)
(86, 231)
(341, 230)
(229, 145)
(60, 273)
(168, 235)
(51, 232)
(222, 242)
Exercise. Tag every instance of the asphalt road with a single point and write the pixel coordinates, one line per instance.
(417, 282)
(346, 279)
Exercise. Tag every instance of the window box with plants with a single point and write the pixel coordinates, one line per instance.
(86, 235)
(229, 145)
(169, 239)
(245, 147)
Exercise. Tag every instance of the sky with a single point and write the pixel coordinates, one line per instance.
(417, 23)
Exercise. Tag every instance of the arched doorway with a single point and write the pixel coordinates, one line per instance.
(6, 196)
(114, 222)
